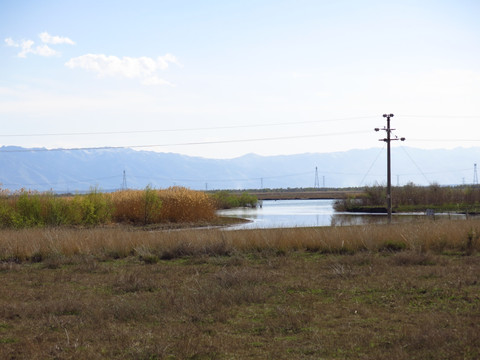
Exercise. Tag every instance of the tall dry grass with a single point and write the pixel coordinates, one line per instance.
(180, 204)
(25, 209)
(457, 236)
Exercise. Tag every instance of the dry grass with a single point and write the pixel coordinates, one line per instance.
(175, 204)
(460, 236)
(26, 209)
(299, 305)
(406, 291)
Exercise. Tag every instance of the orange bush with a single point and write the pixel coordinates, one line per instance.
(175, 204)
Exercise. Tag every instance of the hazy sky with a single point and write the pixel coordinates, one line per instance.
(228, 77)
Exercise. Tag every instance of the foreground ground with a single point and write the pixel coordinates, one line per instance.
(277, 297)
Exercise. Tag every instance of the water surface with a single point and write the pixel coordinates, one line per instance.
(307, 213)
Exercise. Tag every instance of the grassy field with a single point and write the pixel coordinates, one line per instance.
(409, 291)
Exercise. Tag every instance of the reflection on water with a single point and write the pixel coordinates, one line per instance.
(305, 213)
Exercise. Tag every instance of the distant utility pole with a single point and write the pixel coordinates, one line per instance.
(317, 183)
(388, 139)
(475, 175)
(124, 182)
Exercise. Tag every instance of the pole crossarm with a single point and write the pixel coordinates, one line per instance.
(388, 140)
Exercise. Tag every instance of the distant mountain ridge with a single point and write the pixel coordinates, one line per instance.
(79, 170)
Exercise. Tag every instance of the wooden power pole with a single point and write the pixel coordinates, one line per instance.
(388, 139)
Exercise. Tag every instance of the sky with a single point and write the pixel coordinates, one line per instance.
(220, 79)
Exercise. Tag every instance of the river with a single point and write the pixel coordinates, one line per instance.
(307, 213)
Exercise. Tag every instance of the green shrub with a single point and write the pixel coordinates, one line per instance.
(225, 200)
(152, 205)
(29, 210)
(55, 210)
(95, 208)
(393, 246)
(8, 216)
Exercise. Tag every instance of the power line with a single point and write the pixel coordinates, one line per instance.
(231, 126)
(187, 143)
(84, 181)
(414, 163)
(445, 140)
(224, 180)
(187, 129)
(435, 172)
(442, 116)
(371, 166)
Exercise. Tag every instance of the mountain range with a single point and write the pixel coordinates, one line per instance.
(63, 170)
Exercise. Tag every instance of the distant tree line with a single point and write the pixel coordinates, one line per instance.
(412, 197)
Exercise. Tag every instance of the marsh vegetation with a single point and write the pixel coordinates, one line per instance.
(408, 198)
(404, 291)
(370, 292)
(24, 209)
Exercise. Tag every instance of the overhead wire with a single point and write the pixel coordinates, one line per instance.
(84, 181)
(186, 143)
(442, 116)
(189, 129)
(436, 172)
(444, 140)
(414, 163)
(371, 166)
(230, 141)
(224, 127)
(228, 180)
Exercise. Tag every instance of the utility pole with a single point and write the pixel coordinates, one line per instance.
(317, 183)
(124, 182)
(388, 139)
(475, 175)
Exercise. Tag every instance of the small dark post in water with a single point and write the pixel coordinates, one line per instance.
(388, 139)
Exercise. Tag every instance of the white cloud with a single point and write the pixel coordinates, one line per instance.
(49, 39)
(154, 80)
(10, 42)
(45, 50)
(41, 50)
(143, 68)
(26, 46)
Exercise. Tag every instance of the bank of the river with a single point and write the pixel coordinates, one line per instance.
(411, 198)
(305, 195)
(465, 209)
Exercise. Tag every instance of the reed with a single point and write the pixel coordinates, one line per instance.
(180, 204)
(414, 198)
(26, 209)
(407, 291)
(446, 236)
